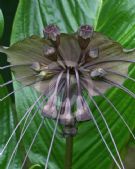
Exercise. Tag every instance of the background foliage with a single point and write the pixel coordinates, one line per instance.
(116, 19)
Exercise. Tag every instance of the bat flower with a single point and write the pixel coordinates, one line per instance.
(62, 66)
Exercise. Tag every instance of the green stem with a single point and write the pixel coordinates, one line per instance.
(69, 152)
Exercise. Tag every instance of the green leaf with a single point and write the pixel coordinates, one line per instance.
(113, 18)
(116, 20)
(33, 16)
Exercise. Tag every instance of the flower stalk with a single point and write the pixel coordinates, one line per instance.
(69, 152)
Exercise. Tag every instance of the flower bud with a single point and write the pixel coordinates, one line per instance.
(52, 32)
(49, 109)
(85, 33)
(48, 50)
(93, 53)
(97, 73)
(82, 113)
(66, 116)
(36, 66)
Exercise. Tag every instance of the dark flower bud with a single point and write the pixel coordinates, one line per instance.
(97, 73)
(52, 32)
(49, 109)
(66, 116)
(48, 50)
(85, 33)
(82, 113)
(36, 66)
(93, 53)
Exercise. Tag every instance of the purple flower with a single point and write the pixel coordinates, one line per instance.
(85, 31)
(63, 71)
(82, 113)
(62, 67)
(51, 32)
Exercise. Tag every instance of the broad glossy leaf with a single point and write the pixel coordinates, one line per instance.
(68, 15)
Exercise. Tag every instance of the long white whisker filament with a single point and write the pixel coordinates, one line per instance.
(52, 141)
(48, 91)
(20, 78)
(47, 96)
(120, 74)
(24, 129)
(19, 89)
(100, 133)
(119, 86)
(28, 111)
(33, 140)
(116, 112)
(107, 129)
(58, 80)
(12, 155)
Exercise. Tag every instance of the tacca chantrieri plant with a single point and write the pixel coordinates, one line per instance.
(64, 66)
